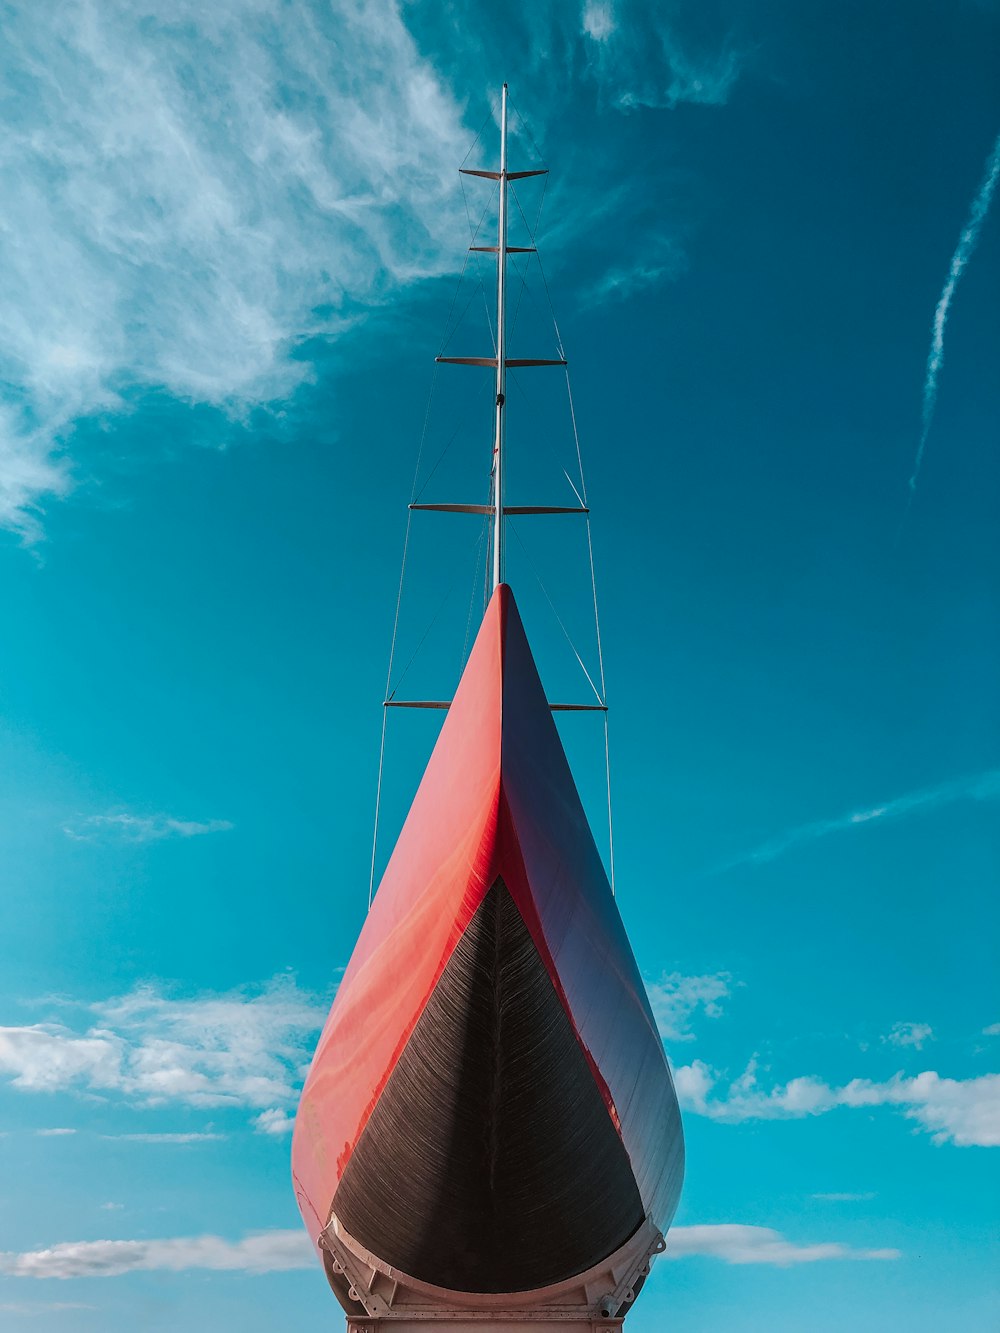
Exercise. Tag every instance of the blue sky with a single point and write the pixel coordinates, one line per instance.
(230, 242)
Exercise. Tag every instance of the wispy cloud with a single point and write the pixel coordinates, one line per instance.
(909, 1034)
(640, 58)
(260, 1252)
(125, 827)
(29, 1308)
(845, 1198)
(977, 787)
(241, 1048)
(280, 1251)
(677, 999)
(663, 261)
(191, 198)
(190, 194)
(963, 253)
(992, 1031)
(965, 1112)
(179, 1139)
(53, 1133)
(739, 1244)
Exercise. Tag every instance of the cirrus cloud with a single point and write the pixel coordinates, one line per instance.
(191, 193)
(973, 787)
(125, 827)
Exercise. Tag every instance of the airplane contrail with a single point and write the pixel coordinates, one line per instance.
(963, 253)
(973, 787)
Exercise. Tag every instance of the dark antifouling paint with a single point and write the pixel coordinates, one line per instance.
(490, 1162)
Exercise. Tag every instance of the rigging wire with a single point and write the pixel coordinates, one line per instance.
(473, 233)
(583, 480)
(378, 807)
(449, 329)
(597, 615)
(444, 452)
(413, 494)
(601, 695)
(581, 495)
(531, 230)
(458, 322)
(472, 598)
(566, 633)
(532, 236)
(611, 827)
(474, 230)
(391, 692)
(524, 126)
(490, 115)
(392, 655)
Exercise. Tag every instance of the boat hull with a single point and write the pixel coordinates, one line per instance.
(489, 1109)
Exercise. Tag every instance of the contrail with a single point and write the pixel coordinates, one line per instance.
(963, 253)
(975, 787)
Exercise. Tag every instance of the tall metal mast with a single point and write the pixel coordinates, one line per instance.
(498, 510)
(499, 426)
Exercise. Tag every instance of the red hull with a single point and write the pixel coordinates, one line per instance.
(497, 806)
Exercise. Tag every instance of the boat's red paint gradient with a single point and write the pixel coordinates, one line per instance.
(497, 800)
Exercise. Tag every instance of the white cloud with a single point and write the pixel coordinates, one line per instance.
(844, 1198)
(191, 192)
(976, 787)
(598, 20)
(183, 1138)
(48, 1057)
(992, 1031)
(909, 1034)
(965, 1112)
(53, 1133)
(738, 1244)
(124, 827)
(274, 1121)
(677, 999)
(242, 1048)
(693, 1084)
(260, 1252)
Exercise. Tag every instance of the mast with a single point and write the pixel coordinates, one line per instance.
(500, 421)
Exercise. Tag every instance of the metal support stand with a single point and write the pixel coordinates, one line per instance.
(594, 1302)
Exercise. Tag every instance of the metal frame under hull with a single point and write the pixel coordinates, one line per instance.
(594, 1302)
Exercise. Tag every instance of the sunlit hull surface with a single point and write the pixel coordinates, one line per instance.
(489, 1109)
